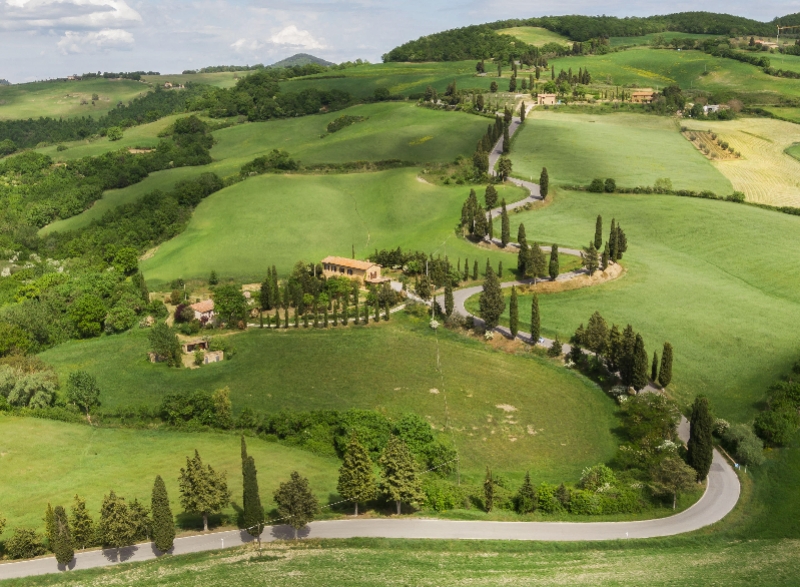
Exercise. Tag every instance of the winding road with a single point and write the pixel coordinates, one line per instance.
(720, 497)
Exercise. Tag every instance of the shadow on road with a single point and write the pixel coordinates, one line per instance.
(120, 555)
(285, 532)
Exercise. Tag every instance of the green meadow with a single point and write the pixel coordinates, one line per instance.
(268, 220)
(63, 98)
(716, 279)
(634, 149)
(534, 35)
(785, 62)
(794, 151)
(220, 79)
(513, 413)
(648, 38)
(45, 461)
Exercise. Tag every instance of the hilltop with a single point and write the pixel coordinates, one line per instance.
(302, 59)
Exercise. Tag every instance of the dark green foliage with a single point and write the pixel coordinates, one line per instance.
(277, 160)
(492, 302)
(7, 147)
(513, 310)
(490, 197)
(654, 368)
(605, 258)
(50, 525)
(356, 478)
(544, 183)
(700, 446)
(672, 476)
(82, 390)
(590, 259)
(610, 187)
(598, 233)
(640, 379)
(203, 490)
(230, 304)
(597, 186)
(140, 520)
(24, 543)
(595, 337)
(165, 345)
(343, 122)
(744, 445)
(467, 43)
(536, 262)
(553, 266)
(163, 528)
(115, 529)
(296, 504)
(82, 527)
(535, 320)
(665, 373)
(87, 314)
(475, 270)
(504, 168)
(555, 349)
(526, 500)
(505, 232)
(62, 539)
(777, 426)
(400, 479)
(488, 490)
(252, 510)
(449, 303)
(506, 141)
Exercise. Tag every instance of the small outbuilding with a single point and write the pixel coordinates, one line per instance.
(546, 99)
(196, 344)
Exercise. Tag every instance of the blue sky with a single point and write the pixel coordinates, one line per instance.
(40, 39)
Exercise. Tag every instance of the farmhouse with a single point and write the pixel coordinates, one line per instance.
(546, 99)
(710, 108)
(769, 44)
(204, 310)
(643, 96)
(363, 271)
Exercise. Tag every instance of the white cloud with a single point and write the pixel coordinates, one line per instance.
(94, 42)
(244, 45)
(66, 14)
(294, 37)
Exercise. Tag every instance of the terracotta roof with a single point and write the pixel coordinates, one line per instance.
(203, 307)
(647, 91)
(350, 263)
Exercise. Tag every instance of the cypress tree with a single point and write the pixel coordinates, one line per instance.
(622, 242)
(336, 313)
(522, 237)
(598, 233)
(296, 318)
(614, 348)
(386, 314)
(449, 303)
(665, 373)
(537, 262)
(49, 525)
(401, 482)
(513, 310)
(500, 269)
(377, 310)
(488, 490)
(492, 303)
(613, 245)
(553, 267)
(506, 140)
(654, 368)
(365, 317)
(556, 348)
(522, 112)
(62, 539)
(325, 317)
(475, 270)
(466, 269)
(526, 499)
(626, 361)
(296, 502)
(82, 526)
(505, 231)
(536, 325)
(604, 258)
(115, 528)
(523, 259)
(491, 227)
(544, 183)
(700, 446)
(589, 258)
(163, 522)
(251, 500)
(356, 479)
(486, 269)
(639, 364)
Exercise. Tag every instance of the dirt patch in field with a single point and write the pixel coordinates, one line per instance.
(133, 151)
(423, 180)
(613, 272)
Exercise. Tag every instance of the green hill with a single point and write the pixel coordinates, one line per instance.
(301, 59)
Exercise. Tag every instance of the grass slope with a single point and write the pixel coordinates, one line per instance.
(280, 219)
(45, 461)
(715, 279)
(392, 368)
(648, 38)
(220, 79)
(63, 99)
(634, 149)
(535, 35)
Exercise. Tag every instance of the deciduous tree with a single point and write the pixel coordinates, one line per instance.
(401, 482)
(83, 391)
(296, 504)
(356, 478)
(203, 490)
(671, 476)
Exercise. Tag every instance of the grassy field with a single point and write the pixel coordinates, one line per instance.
(787, 113)
(648, 38)
(634, 149)
(221, 79)
(794, 151)
(717, 280)
(765, 172)
(51, 461)
(391, 368)
(280, 219)
(657, 68)
(785, 62)
(534, 35)
(63, 99)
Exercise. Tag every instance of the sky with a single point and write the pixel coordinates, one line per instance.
(41, 39)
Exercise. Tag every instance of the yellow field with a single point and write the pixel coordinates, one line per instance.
(764, 173)
(535, 35)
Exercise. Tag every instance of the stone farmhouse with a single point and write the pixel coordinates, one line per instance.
(203, 311)
(546, 99)
(643, 96)
(362, 271)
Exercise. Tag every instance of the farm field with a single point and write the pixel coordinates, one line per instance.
(634, 149)
(268, 220)
(765, 173)
(648, 38)
(63, 98)
(794, 151)
(220, 79)
(729, 310)
(657, 68)
(561, 422)
(534, 35)
(786, 113)
(45, 461)
(785, 62)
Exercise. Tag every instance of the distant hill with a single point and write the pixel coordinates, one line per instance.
(4, 82)
(301, 59)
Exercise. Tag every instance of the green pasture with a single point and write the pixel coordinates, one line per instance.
(560, 423)
(63, 98)
(648, 38)
(278, 220)
(534, 35)
(785, 113)
(634, 149)
(785, 62)
(715, 279)
(221, 79)
(45, 461)
(400, 78)
(656, 68)
(794, 151)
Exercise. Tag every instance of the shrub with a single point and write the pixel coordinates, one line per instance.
(547, 500)
(441, 495)
(343, 121)
(597, 478)
(25, 543)
(747, 448)
(597, 186)
(610, 186)
(583, 502)
(721, 427)
(776, 427)
(114, 133)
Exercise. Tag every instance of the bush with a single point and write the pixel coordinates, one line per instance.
(585, 503)
(746, 447)
(610, 186)
(114, 133)
(441, 495)
(25, 543)
(597, 478)
(776, 427)
(597, 186)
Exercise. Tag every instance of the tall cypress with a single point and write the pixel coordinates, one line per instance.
(613, 245)
(492, 303)
(536, 325)
(163, 522)
(654, 368)
(466, 269)
(475, 270)
(506, 140)
(490, 197)
(486, 269)
(513, 311)
(356, 478)
(626, 361)
(544, 183)
(598, 232)
(639, 364)
(500, 269)
(604, 258)
(253, 511)
(505, 230)
(49, 525)
(537, 261)
(62, 540)
(553, 268)
(526, 500)
(82, 526)
(665, 373)
(522, 111)
(700, 446)
(449, 303)
(490, 230)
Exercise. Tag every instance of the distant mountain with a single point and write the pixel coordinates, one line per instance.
(301, 59)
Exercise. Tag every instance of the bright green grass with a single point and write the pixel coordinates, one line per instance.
(715, 279)
(279, 219)
(790, 114)
(657, 68)
(390, 367)
(45, 461)
(400, 78)
(57, 99)
(785, 62)
(633, 149)
(794, 151)
(222, 79)
(648, 39)
(534, 35)
(392, 131)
